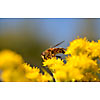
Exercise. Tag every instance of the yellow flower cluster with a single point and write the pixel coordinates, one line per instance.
(13, 69)
(34, 75)
(81, 62)
(9, 59)
(83, 46)
(82, 65)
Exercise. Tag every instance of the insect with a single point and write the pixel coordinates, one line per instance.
(51, 52)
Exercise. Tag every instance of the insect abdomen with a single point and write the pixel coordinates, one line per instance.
(59, 50)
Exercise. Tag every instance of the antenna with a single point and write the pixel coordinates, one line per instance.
(57, 44)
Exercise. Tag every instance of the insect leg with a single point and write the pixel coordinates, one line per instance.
(49, 72)
(59, 57)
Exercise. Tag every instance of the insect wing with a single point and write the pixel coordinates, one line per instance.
(57, 44)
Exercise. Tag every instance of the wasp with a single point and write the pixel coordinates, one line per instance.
(52, 52)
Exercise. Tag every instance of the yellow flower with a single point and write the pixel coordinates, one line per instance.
(60, 76)
(90, 77)
(13, 69)
(53, 63)
(45, 78)
(81, 62)
(83, 46)
(81, 65)
(77, 46)
(93, 49)
(33, 74)
(13, 76)
(9, 59)
(74, 74)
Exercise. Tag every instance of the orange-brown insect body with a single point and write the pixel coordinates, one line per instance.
(51, 52)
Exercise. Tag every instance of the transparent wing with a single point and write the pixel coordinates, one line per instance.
(57, 44)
